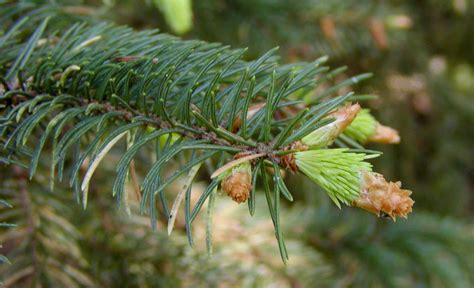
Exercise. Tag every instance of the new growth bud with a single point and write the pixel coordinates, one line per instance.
(336, 170)
(365, 128)
(347, 178)
(326, 135)
(381, 197)
(237, 183)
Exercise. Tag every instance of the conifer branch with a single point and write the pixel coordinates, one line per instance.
(103, 82)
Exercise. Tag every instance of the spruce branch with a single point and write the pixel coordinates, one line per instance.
(89, 87)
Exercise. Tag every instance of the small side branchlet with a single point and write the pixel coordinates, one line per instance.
(345, 175)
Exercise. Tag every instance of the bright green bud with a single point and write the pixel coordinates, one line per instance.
(326, 135)
(363, 126)
(337, 171)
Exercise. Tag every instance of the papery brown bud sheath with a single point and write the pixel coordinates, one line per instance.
(381, 197)
(345, 115)
(288, 160)
(384, 135)
(326, 135)
(237, 185)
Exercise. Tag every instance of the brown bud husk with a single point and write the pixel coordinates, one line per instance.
(381, 197)
(384, 135)
(237, 185)
(345, 115)
(250, 113)
(288, 161)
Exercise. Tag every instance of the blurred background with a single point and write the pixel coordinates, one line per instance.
(422, 57)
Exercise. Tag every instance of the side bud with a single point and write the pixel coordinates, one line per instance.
(237, 182)
(381, 197)
(365, 128)
(326, 135)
